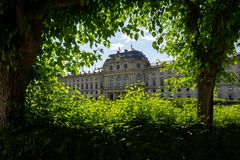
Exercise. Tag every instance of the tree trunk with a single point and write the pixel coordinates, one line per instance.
(13, 83)
(205, 96)
(4, 95)
(28, 24)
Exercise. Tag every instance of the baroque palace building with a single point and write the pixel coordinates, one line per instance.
(131, 67)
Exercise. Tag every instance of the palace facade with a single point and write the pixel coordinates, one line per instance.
(131, 67)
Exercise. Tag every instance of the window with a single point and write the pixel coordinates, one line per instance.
(91, 86)
(146, 82)
(118, 67)
(96, 85)
(111, 81)
(125, 80)
(161, 82)
(125, 66)
(138, 65)
(118, 81)
(154, 82)
(86, 86)
(139, 77)
(230, 88)
(82, 86)
(110, 68)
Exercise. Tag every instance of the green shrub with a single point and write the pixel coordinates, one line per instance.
(60, 124)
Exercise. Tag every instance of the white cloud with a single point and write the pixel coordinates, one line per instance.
(126, 38)
(116, 46)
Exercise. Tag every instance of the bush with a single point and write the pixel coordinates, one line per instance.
(61, 124)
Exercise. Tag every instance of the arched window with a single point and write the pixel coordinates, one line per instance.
(139, 77)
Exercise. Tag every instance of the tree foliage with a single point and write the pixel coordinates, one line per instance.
(200, 36)
(66, 26)
(52, 32)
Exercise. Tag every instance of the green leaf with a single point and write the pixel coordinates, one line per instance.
(136, 36)
(154, 44)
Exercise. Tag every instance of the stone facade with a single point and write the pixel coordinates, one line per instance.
(131, 67)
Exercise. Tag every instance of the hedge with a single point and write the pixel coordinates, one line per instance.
(61, 124)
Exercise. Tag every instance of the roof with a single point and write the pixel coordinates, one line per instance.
(131, 54)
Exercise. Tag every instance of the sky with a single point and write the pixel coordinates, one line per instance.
(122, 41)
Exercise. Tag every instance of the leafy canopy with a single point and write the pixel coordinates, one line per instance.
(195, 33)
(67, 25)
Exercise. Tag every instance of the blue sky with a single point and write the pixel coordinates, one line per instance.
(122, 41)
